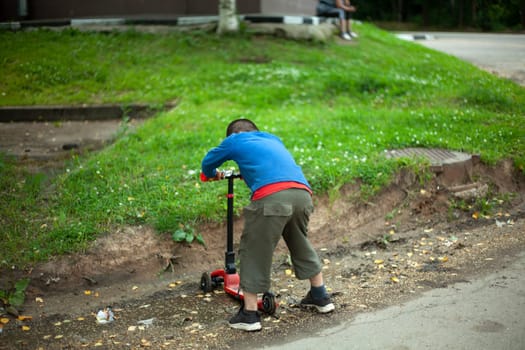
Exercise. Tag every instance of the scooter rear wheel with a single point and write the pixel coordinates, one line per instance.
(206, 283)
(268, 303)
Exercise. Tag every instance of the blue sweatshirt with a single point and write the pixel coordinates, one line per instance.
(262, 159)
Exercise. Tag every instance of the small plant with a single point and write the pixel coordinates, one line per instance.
(188, 235)
(390, 216)
(14, 296)
(484, 206)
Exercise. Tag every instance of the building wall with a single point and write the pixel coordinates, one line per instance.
(65, 9)
(292, 7)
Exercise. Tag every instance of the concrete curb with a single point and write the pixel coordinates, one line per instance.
(413, 37)
(81, 112)
(172, 21)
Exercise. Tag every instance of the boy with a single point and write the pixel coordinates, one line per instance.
(281, 205)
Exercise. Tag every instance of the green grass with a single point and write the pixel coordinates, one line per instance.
(336, 107)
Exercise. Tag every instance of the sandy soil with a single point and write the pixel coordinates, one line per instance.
(407, 240)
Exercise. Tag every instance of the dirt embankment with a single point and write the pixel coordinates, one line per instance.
(406, 240)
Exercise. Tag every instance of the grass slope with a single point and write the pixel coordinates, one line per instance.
(336, 107)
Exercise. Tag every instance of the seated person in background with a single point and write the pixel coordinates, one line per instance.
(341, 9)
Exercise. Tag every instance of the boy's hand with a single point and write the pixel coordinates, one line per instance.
(219, 175)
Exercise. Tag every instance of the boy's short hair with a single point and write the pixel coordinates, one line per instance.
(240, 125)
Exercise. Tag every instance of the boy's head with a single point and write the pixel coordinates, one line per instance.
(240, 125)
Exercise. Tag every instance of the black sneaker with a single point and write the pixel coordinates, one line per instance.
(246, 320)
(323, 305)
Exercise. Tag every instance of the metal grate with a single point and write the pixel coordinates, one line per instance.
(437, 157)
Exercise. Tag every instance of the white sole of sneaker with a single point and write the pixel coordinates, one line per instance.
(325, 309)
(321, 309)
(249, 327)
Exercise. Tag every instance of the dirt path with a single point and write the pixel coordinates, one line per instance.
(409, 240)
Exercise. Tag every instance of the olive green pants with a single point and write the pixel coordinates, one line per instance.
(283, 214)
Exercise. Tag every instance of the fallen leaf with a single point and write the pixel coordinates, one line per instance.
(443, 258)
(25, 328)
(39, 300)
(135, 288)
(475, 216)
(4, 320)
(288, 272)
(23, 318)
(60, 336)
(87, 292)
(80, 318)
(46, 337)
(394, 279)
(378, 261)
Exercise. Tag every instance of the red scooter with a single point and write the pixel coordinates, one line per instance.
(229, 276)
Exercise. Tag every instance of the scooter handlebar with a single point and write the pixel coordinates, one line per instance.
(221, 174)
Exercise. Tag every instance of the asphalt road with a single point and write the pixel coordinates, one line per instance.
(501, 54)
(488, 312)
(485, 314)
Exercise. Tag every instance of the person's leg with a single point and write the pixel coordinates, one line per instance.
(264, 222)
(250, 301)
(349, 25)
(317, 280)
(340, 15)
(305, 260)
(343, 23)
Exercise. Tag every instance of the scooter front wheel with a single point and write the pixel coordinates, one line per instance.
(206, 283)
(268, 303)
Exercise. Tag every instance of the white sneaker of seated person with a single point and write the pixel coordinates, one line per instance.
(346, 36)
(354, 35)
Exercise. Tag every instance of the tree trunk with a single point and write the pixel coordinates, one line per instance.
(228, 21)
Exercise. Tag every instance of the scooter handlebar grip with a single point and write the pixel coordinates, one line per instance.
(204, 178)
